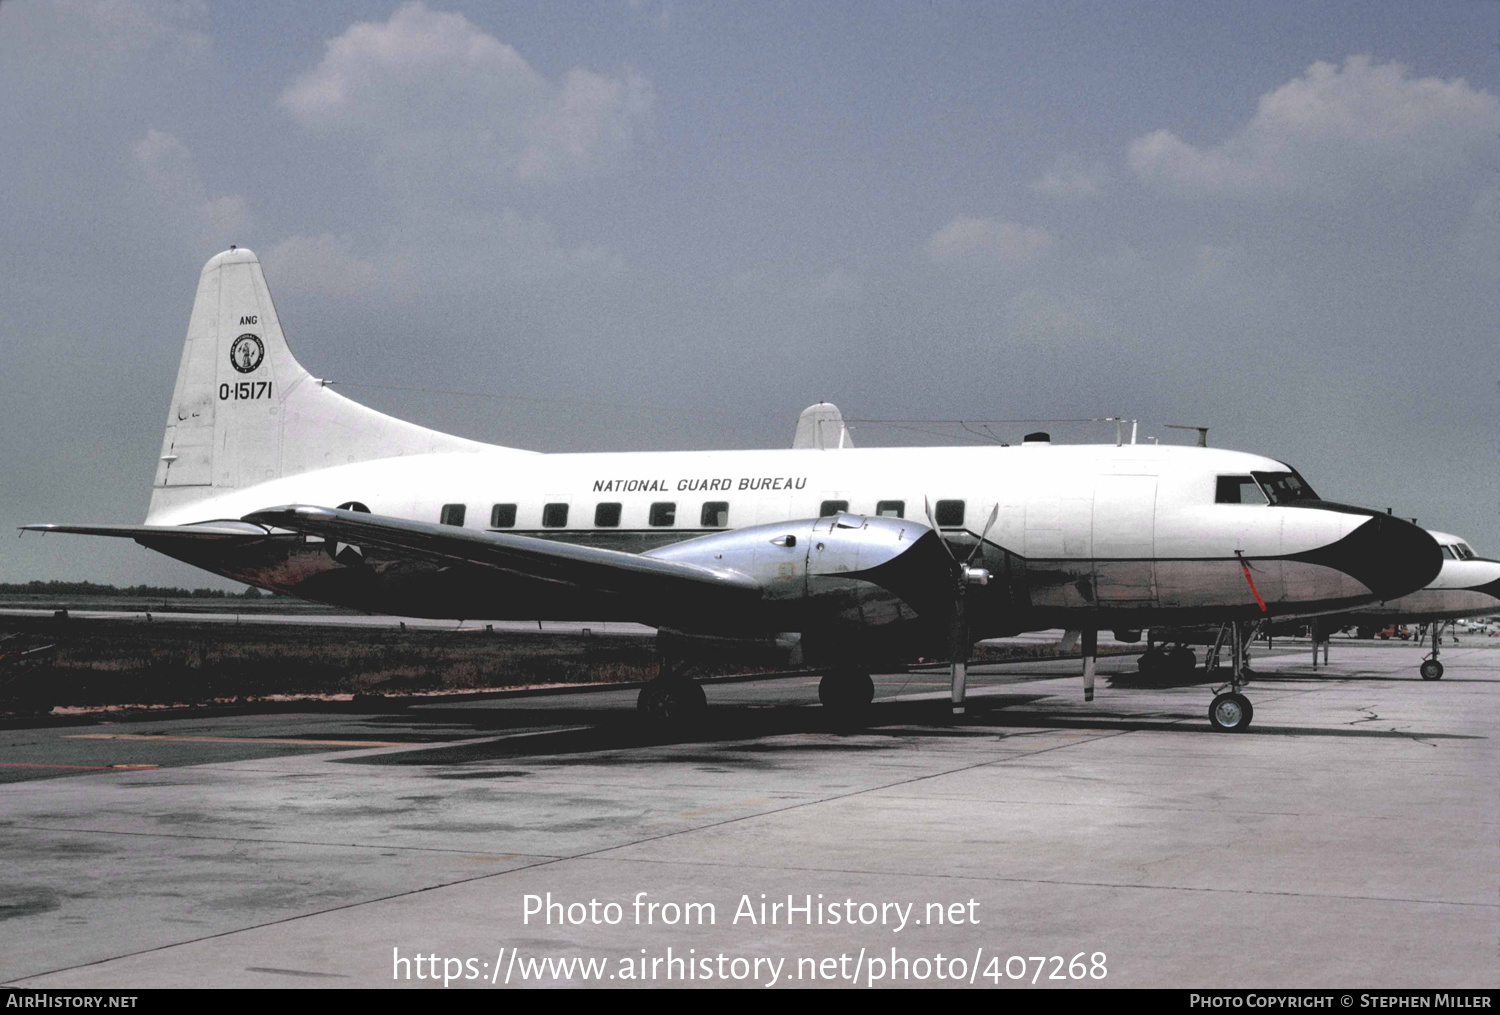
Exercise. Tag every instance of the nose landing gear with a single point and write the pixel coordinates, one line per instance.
(1431, 668)
(1231, 711)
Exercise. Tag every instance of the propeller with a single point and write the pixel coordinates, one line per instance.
(964, 575)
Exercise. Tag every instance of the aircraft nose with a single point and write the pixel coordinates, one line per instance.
(1389, 556)
(1392, 556)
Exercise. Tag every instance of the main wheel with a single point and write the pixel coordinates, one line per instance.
(671, 701)
(1231, 712)
(1184, 661)
(1432, 669)
(847, 690)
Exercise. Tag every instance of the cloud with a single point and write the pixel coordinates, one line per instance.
(326, 265)
(169, 168)
(431, 91)
(1070, 179)
(1334, 128)
(444, 257)
(987, 241)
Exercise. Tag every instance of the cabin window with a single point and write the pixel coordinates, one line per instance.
(1238, 490)
(715, 514)
(949, 514)
(452, 514)
(607, 516)
(891, 509)
(554, 516)
(829, 508)
(664, 512)
(503, 516)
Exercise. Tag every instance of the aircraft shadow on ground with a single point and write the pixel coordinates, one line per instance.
(740, 734)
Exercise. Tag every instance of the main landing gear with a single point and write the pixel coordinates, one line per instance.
(847, 692)
(1179, 662)
(1231, 711)
(672, 697)
(1431, 668)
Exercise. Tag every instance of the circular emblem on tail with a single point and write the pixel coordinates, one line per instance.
(246, 353)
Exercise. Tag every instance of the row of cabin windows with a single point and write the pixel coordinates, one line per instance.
(949, 514)
(663, 514)
(715, 515)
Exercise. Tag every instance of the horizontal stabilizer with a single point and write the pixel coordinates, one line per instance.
(543, 559)
(226, 530)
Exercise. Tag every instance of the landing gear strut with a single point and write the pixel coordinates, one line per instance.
(1431, 668)
(1090, 661)
(1231, 711)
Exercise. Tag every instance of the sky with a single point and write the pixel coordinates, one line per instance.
(636, 224)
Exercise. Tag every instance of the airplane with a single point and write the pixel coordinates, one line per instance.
(1467, 586)
(269, 477)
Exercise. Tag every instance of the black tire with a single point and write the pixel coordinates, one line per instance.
(846, 690)
(1432, 669)
(1183, 660)
(672, 702)
(1151, 663)
(1231, 713)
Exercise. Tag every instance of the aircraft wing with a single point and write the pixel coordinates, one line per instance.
(586, 567)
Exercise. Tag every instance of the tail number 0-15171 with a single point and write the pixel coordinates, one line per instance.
(244, 391)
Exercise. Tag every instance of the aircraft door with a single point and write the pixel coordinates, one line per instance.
(1125, 540)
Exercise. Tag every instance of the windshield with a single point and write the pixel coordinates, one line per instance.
(1284, 487)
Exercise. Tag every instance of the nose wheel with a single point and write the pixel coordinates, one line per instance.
(1231, 712)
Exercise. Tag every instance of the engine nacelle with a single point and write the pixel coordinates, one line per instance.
(828, 571)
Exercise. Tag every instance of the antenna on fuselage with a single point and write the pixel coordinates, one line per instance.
(1202, 431)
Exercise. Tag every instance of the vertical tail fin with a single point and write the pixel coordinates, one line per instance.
(822, 426)
(245, 411)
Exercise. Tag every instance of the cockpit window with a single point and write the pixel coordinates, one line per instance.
(1284, 487)
(1449, 553)
(1464, 551)
(1238, 490)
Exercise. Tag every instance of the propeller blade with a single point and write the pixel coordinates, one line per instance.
(960, 673)
(932, 523)
(984, 534)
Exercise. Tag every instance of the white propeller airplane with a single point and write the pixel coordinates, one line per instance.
(1467, 586)
(269, 477)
